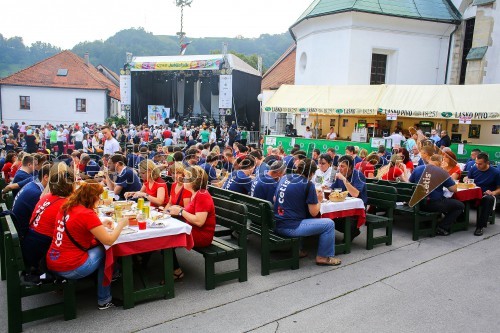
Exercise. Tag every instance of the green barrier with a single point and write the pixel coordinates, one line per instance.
(309, 144)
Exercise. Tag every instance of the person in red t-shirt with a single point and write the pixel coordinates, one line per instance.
(74, 252)
(42, 222)
(178, 194)
(167, 133)
(450, 165)
(367, 166)
(200, 213)
(395, 169)
(154, 187)
(405, 154)
(10, 159)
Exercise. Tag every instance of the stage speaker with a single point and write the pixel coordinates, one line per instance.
(214, 85)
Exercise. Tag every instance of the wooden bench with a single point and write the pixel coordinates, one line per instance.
(232, 216)
(382, 198)
(424, 223)
(16, 290)
(261, 223)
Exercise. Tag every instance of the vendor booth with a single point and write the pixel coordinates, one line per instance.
(470, 113)
(195, 88)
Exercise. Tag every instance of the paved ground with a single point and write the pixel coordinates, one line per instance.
(442, 284)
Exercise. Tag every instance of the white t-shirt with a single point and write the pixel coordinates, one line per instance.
(322, 178)
(85, 144)
(396, 139)
(308, 134)
(111, 146)
(331, 136)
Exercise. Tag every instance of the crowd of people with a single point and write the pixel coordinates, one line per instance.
(55, 202)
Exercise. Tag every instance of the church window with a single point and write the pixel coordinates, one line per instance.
(379, 67)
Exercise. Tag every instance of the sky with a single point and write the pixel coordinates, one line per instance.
(66, 23)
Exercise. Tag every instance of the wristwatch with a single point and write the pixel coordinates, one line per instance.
(180, 212)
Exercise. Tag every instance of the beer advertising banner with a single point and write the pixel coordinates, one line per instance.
(209, 64)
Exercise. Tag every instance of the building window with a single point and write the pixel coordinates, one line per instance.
(379, 66)
(81, 105)
(469, 34)
(24, 102)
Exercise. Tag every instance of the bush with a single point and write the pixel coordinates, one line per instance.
(117, 120)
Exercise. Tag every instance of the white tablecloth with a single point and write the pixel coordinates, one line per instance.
(173, 227)
(349, 203)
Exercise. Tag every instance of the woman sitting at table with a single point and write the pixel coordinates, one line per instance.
(179, 196)
(43, 219)
(450, 165)
(394, 170)
(405, 154)
(75, 251)
(322, 176)
(367, 165)
(154, 188)
(200, 213)
(296, 203)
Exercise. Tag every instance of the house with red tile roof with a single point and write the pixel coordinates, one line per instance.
(61, 89)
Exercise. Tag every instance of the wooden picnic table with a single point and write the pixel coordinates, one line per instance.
(467, 196)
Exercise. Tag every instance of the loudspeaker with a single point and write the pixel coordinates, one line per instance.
(214, 85)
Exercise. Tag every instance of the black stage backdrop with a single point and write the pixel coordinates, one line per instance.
(150, 89)
(246, 88)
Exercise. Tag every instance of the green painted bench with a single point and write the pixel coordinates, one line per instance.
(261, 223)
(232, 216)
(382, 198)
(2, 248)
(16, 290)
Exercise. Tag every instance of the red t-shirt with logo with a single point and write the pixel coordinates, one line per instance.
(63, 255)
(394, 172)
(153, 191)
(44, 216)
(203, 202)
(175, 196)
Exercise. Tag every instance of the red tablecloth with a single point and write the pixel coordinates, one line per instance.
(142, 246)
(469, 194)
(360, 213)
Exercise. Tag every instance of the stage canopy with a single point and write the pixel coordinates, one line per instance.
(190, 63)
(479, 102)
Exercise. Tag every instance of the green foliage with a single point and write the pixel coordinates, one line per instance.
(14, 55)
(117, 120)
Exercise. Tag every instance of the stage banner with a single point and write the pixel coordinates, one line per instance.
(125, 84)
(226, 92)
(157, 115)
(210, 64)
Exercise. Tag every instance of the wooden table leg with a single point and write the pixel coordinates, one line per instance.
(128, 282)
(168, 271)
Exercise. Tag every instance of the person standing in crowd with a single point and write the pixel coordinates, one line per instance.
(126, 179)
(199, 213)
(296, 200)
(154, 188)
(111, 145)
(31, 142)
(436, 202)
(434, 136)
(60, 141)
(353, 181)
(488, 179)
(308, 133)
(397, 138)
(74, 252)
(78, 138)
(445, 140)
(264, 185)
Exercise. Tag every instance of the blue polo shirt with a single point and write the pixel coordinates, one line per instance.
(22, 178)
(289, 162)
(227, 166)
(264, 187)
(293, 195)
(24, 204)
(358, 181)
(486, 180)
(212, 175)
(261, 170)
(238, 182)
(357, 159)
(437, 194)
(129, 181)
(469, 165)
(92, 168)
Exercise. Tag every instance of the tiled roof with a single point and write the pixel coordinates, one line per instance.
(80, 76)
(429, 10)
(281, 72)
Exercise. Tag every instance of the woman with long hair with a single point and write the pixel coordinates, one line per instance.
(395, 170)
(154, 188)
(179, 195)
(200, 213)
(10, 159)
(405, 154)
(76, 250)
(449, 164)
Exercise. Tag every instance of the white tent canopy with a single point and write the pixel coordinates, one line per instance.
(190, 62)
(480, 102)
(354, 100)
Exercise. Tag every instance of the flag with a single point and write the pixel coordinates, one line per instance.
(184, 47)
